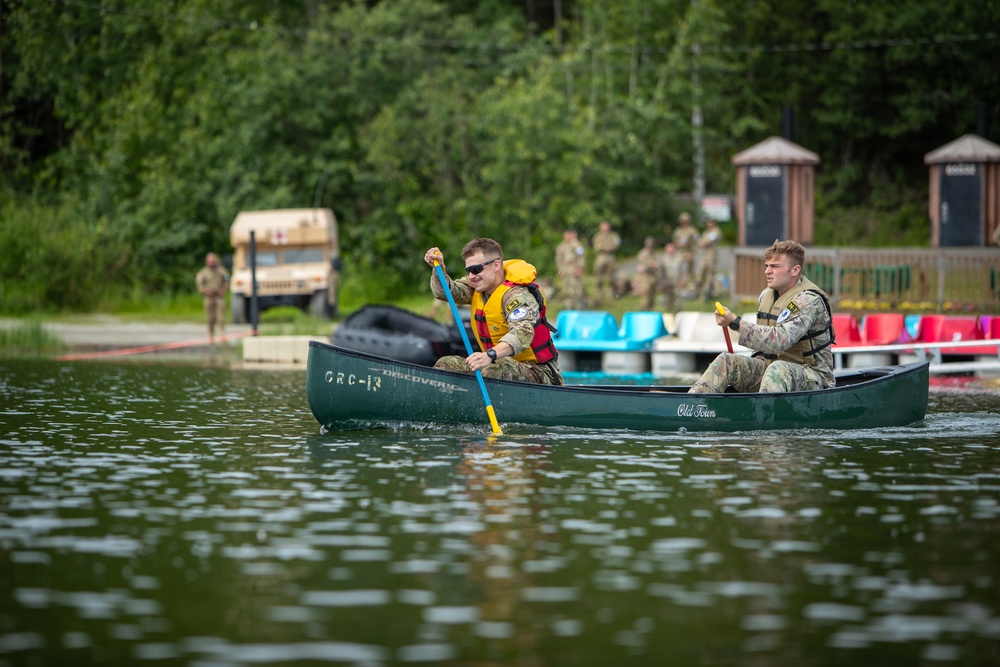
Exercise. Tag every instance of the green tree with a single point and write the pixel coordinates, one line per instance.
(144, 130)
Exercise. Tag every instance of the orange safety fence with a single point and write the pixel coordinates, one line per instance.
(153, 348)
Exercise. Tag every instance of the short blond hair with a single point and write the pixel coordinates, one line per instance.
(790, 249)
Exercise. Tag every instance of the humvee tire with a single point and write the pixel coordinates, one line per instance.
(319, 305)
(239, 308)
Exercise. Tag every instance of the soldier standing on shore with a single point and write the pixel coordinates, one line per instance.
(605, 243)
(570, 265)
(647, 267)
(670, 276)
(685, 237)
(708, 256)
(212, 282)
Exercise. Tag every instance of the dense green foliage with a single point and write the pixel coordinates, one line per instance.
(131, 133)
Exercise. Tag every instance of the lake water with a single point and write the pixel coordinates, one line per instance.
(183, 515)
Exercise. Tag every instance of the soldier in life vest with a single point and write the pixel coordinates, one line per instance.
(508, 316)
(791, 339)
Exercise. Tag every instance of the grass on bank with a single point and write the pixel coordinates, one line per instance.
(29, 339)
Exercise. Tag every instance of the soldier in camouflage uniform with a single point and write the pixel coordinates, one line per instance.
(708, 254)
(605, 243)
(508, 316)
(791, 339)
(670, 276)
(685, 237)
(212, 282)
(647, 273)
(571, 262)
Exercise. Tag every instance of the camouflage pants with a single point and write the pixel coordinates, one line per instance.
(645, 287)
(755, 374)
(705, 278)
(686, 272)
(506, 369)
(670, 297)
(574, 295)
(604, 271)
(215, 313)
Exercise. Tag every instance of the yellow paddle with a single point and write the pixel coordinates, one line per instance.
(725, 329)
(468, 346)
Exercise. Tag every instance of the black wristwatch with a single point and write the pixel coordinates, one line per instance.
(492, 354)
(735, 324)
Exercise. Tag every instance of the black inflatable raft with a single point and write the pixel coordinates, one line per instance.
(388, 331)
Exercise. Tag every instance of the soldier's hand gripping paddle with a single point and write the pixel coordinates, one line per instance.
(725, 329)
(468, 346)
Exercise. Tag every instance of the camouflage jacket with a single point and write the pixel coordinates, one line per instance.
(521, 331)
(807, 312)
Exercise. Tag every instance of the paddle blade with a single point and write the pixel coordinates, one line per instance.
(493, 420)
(725, 331)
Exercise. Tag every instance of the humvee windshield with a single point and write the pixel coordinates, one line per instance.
(303, 255)
(267, 259)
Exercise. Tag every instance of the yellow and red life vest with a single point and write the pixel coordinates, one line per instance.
(489, 322)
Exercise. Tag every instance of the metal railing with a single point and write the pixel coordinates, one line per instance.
(982, 356)
(935, 280)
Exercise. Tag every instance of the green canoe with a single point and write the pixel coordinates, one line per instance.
(350, 389)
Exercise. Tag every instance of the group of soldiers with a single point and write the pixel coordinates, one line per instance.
(686, 264)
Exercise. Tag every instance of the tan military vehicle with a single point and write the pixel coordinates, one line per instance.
(298, 261)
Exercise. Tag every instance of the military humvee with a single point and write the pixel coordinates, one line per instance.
(298, 261)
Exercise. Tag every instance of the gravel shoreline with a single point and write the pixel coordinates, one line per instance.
(109, 332)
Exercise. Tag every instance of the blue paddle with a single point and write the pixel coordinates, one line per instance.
(468, 346)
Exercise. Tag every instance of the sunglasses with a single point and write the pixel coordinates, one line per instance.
(476, 269)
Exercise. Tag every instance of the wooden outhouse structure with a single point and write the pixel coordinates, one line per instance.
(775, 192)
(964, 202)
